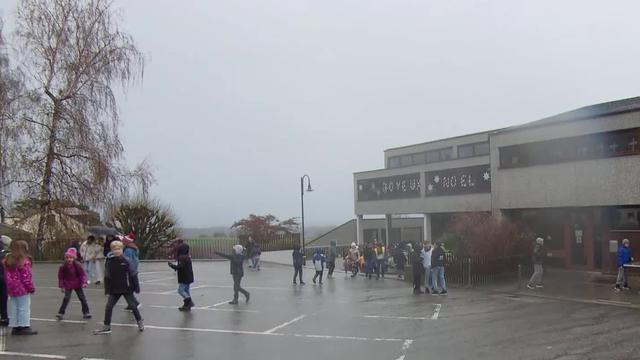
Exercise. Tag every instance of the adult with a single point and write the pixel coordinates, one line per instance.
(538, 259)
(417, 270)
(237, 272)
(369, 260)
(427, 252)
(5, 241)
(298, 261)
(107, 245)
(94, 259)
(438, 262)
(249, 249)
(400, 260)
(353, 257)
(381, 258)
(624, 257)
(331, 258)
(87, 264)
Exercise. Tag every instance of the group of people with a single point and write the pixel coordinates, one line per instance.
(428, 262)
(320, 262)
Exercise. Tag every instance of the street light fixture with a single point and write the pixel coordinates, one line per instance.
(309, 189)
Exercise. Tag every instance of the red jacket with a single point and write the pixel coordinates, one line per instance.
(71, 276)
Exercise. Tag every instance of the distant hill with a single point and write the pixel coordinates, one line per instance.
(311, 231)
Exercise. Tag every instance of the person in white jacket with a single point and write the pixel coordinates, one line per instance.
(426, 264)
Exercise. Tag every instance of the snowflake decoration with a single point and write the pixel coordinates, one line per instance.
(430, 187)
(436, 179)
(360, 187)
(486, 176)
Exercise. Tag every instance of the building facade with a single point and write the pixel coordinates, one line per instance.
(573, 178)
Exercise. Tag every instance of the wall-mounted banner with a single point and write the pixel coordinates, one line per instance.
(468, 180)
(388, 188)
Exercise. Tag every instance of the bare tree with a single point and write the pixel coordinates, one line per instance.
(74, 54)
(11, 92)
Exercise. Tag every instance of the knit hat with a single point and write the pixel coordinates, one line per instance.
(238, 249)
(6, 241)
(71, 252)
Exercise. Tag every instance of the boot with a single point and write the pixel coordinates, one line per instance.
(190, 303)
(26, 331)
(185, 305)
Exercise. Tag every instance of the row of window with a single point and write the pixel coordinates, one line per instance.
(444, 154)
(593, 146)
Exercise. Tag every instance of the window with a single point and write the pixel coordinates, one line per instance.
(419, 159)
(446, 154)
(433, 156)
(406, 160)
(480, 149)
(394, 162)
(593, 146)
(465, 151)
(470, 150)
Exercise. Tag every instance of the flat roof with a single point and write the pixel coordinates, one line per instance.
(586, 112)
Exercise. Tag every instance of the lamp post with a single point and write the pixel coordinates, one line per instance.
(309, 189)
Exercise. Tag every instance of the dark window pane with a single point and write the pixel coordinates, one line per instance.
(433, 156)
(481, 149)
(394, 162)
(418, 159)
(446, 154)
(406, 160)
(465, 151)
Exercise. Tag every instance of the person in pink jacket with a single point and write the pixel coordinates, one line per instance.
(19, 281)
(71, 277)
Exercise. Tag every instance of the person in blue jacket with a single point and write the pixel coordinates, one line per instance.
(318, 264)
(298, 261)
(624, 257)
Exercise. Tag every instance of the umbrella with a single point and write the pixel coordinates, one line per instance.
(103, 230)
(5, 240)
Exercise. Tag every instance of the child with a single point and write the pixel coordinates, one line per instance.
(331, 259)
(318, 264)
(71, 276)
(237, 271)
(185, 276)
(131, 252)
(298, 261)
(19, 280)
(118, 282)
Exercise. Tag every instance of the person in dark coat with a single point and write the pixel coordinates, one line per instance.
(185, 276)
(119, 282)
(107, 245)
(538, 259)
(237, 272)
(416, 265)
(400, 260)
(4, 314)
(298, 261)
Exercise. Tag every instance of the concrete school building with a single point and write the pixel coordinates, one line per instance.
(574, 178)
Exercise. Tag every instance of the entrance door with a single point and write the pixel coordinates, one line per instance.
(578, 257)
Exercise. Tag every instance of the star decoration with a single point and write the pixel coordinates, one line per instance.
(436, 179)
(486, 176)
(430, 187)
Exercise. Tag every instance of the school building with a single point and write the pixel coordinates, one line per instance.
(573, 178)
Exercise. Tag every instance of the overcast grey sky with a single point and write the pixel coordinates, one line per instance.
(241, 98)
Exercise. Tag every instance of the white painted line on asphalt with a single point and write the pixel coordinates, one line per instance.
(153, 272)
(393, 317)
(613, 302)
(273, 330)
(174, 291)
(154, 280)
(333, 337)
(405, 346)
(62, 321)
(407, 343)
(436, 312)
(218, 304)
(41, 356)
(86, 358)
(3, 334)
(204, 308)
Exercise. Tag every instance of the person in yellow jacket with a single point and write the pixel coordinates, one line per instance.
(380, 260)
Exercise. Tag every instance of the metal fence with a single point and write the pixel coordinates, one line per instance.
(199, 248)
(477, 270)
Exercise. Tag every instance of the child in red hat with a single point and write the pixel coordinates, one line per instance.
(71, 277)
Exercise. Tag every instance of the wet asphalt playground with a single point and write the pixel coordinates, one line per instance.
(345, 318)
